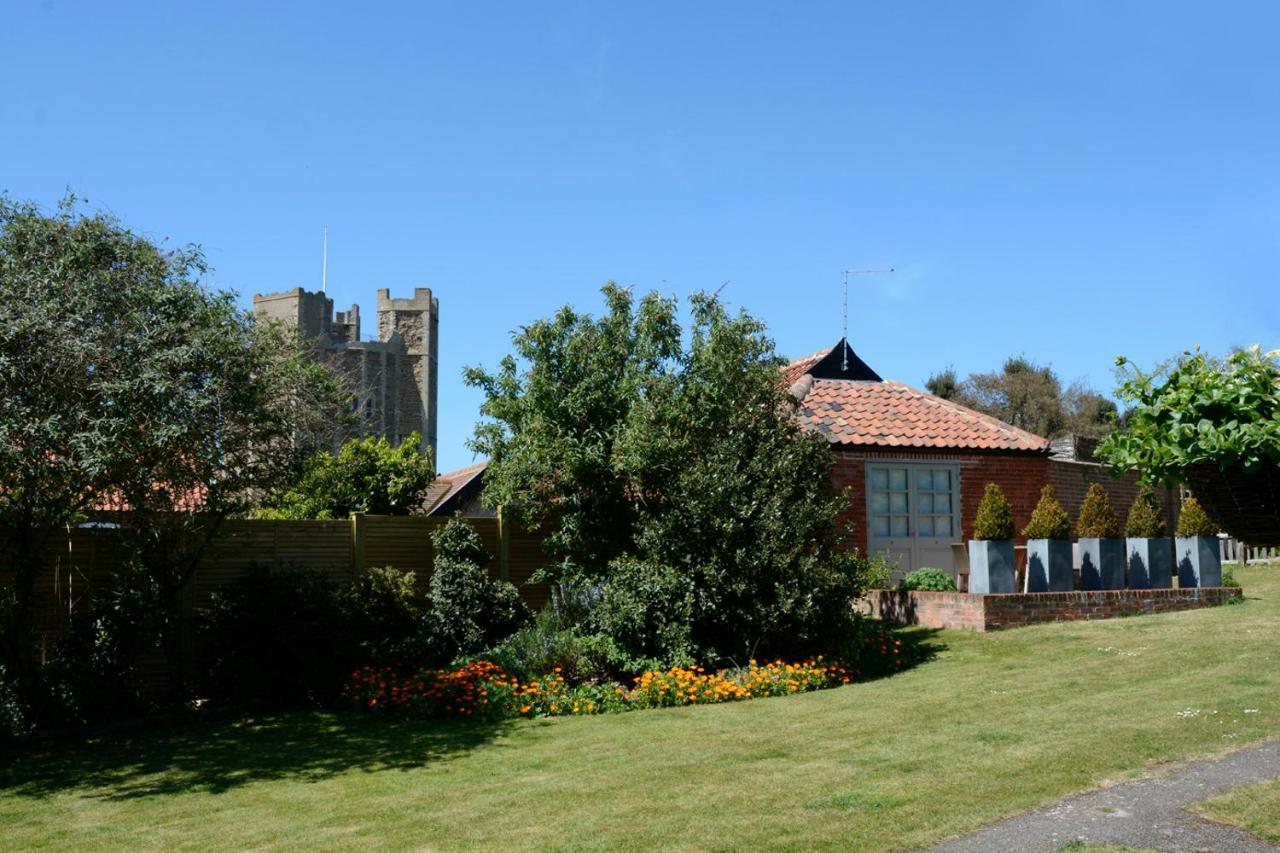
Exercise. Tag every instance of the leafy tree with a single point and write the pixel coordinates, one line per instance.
(674, 474)
(553, 423)
(1198, 410)
(994, 519)
(943, 384)
(1029, 396)
(1097, 520)
(365, 475)
(1145, 519)
(128, 385)
(1049, 520)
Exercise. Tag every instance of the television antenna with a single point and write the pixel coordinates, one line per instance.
(844, 329)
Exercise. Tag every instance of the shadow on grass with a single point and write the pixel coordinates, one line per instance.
(216, 756)
(897, 648)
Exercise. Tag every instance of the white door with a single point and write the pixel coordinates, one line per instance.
(913, 515)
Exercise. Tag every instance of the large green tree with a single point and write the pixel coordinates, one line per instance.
(365, 475)
(128, 386)
(1029, 396)
(671, 474)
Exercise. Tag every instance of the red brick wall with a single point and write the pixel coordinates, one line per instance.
(1072, 479)
(992, 612)
(1020, 476)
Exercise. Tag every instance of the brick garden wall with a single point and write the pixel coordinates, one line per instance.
(993, 612)
(1072, 479)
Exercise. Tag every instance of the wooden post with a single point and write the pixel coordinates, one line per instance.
(357, 543)
(504, 547)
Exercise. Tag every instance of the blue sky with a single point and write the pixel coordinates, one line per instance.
(1068, 180)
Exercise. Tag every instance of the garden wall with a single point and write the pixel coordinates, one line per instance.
(975, 612)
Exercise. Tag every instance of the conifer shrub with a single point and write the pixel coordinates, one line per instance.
(472, 610)
(1049, 520)
(1097, 519)
(995, 515)
(1145, 520)
(1194, 521)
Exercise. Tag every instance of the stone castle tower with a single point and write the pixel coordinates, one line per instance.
(393, 378)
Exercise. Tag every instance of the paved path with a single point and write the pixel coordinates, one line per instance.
(1143, 813)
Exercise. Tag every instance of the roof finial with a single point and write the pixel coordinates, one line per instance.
(844, 329)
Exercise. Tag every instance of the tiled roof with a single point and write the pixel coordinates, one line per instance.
(890, 414)
(436, 500)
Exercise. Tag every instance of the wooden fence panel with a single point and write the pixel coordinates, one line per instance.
(526, 556)
(82, 560)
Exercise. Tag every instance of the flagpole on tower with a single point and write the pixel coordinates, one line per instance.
(844, 329)
(324, 264)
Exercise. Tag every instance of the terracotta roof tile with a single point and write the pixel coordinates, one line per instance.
(891, 414)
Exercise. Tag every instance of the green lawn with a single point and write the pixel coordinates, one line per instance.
(993, 724)
(1255, 809)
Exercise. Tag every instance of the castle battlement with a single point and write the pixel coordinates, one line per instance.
(394, 377)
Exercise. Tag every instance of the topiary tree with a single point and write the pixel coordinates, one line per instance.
(1194, 521)
(1145, 519)
(995, 515)
(1097, 519)
(1049, 520)
(472, 611)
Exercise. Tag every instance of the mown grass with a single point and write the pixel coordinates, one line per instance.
(994, 724)
(1255, 808)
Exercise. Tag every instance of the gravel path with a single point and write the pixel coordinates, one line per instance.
(1147, 813)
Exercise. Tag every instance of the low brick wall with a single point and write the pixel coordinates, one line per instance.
(993, 612)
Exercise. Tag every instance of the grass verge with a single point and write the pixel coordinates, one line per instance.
(994, 724)
(1254, 808)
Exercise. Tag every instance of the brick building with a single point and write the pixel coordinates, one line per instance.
(393, 377)
(915, 465)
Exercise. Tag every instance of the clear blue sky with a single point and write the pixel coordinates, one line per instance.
(1067, 180)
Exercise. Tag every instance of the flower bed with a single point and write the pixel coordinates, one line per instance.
(482, 690)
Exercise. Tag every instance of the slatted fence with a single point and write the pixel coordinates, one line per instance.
(82, 559)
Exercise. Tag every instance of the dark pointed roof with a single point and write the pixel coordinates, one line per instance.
(843, 363)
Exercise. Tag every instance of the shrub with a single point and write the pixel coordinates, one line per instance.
(995, 515)
(1194, 521)
(1145, 519)
(647, 610)
(545, 646)
(1229, 579)
(91, 675)
(1049, 520)
(876, 573)
(1097, 519)
(276, 639)
(471, 610)
(935, 580)
(15, 715)
(385, 624)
